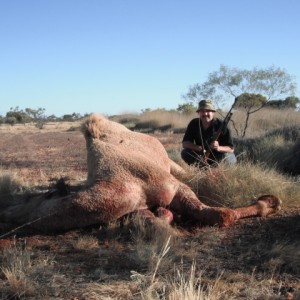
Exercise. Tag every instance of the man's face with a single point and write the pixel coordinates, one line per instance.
(206, 115)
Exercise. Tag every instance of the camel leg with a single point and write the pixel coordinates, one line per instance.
(160, 213)
(187, 204)
(265, 206)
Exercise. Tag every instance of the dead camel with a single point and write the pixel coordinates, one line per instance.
(127, 172)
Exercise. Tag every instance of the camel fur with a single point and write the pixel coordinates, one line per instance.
(127, 172)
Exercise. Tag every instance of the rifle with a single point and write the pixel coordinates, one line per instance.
(220, 131)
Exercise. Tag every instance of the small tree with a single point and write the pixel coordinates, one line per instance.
(52, 118)
(67, 118)
(232, 82)
(146, 110)
(76, 116)
(186, 108)
(11, 120)
(250, 103)
(37, 115)
(291, 102)
(288, 103)
(18, 114)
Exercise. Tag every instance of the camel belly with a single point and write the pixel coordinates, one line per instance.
(161, 194)
(112, 200)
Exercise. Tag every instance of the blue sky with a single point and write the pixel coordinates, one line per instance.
(123, 56)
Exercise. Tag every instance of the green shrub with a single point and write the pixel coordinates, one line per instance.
(147, 126)
(74, 128)
(11, 120)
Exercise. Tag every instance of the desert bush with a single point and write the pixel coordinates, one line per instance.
(292, 165)
(11, 121)
(152, 126)
(128, 120)
(40, 124)
(279, 149)
(261, 122)
(147, 125)
(74, 128)
(24, 274)
(157, 120)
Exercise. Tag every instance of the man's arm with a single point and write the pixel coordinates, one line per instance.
(192, 146)
(224, 149)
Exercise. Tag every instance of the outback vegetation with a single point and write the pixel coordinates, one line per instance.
(254, 259)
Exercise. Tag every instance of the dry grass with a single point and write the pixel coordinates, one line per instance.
(259, 123)
(31, 127)
(10, 184)
(174, 119)
(265, 120)
(278, 149)
(85, 242)
(24, 273)
(134, 264)
(236, 185)
(285, 256)
(15, 267)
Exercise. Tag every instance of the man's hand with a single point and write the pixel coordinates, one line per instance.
(224, 149)
(215, 146)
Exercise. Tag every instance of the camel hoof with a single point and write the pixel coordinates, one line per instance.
(269, 204)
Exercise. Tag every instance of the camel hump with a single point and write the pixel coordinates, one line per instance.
(92, 126)
(97, 126)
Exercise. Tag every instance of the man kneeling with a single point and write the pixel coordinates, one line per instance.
(197, 139)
